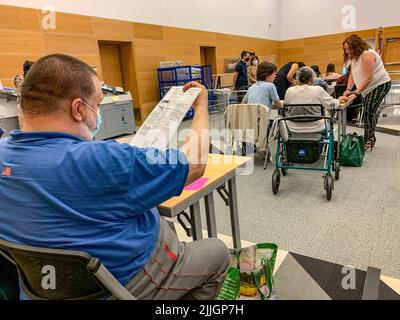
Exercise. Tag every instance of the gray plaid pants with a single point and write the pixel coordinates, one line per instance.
(179, 270)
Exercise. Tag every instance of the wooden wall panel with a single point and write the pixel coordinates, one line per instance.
(111, 64)
(112, 30)
(11, 65)
(69, 44)
(71, 24)
(206, 38)
(16, 18)
(172, 34)
(392, 32)
(148, 31)
(16, 42)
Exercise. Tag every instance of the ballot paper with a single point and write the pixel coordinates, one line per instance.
(162, 124)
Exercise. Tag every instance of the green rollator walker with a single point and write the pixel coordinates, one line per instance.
(296, 151)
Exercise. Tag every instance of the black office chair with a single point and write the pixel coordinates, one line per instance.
(9, 287)
(78, 275)
(330, 81)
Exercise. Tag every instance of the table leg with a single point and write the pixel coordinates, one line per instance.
(196, 221)
(234, 213)
(340, 116)
(344, 121)
(210, 215)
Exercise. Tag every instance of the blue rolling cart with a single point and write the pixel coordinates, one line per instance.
(179, 76)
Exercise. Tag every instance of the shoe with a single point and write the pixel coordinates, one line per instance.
(369, 144)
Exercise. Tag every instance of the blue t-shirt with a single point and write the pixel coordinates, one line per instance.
(261, 92)
(59, 191)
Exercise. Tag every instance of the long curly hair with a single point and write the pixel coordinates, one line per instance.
(357, 45)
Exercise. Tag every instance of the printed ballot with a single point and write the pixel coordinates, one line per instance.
(162, 124)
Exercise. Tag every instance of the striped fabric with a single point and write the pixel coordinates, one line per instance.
(371, 104)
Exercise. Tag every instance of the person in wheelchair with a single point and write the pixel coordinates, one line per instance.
(305, 92)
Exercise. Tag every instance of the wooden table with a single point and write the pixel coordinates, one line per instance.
(221, 169)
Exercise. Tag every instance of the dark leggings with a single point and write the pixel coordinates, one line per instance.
(371, 103)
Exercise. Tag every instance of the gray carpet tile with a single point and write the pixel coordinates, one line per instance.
(292, 282)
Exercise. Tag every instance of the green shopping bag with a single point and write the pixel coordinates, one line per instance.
(250, 275)
(352, 150)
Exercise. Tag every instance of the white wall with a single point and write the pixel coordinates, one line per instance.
(248, 18)
(307, 18)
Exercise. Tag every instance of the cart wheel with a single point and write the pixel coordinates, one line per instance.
(328, 184)
(337, 170)
(276, 181)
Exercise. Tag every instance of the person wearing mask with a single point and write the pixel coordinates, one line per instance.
(252, 70)
(240, 78)
(285, 77)
(330, 73)
(101, 197)
(371, 79)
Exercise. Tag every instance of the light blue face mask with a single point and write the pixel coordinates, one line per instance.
(99, 120)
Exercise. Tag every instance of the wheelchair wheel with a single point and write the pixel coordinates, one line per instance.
(337, 170)
(328, 184)
(276, 181)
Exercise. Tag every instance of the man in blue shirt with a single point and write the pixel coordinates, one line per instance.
(240, 78)
(59, 189)
(264, 91)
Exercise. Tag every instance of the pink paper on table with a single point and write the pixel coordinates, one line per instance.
(196, 185)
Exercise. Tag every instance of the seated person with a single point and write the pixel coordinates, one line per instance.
(303, 93)
(344, 79)
(264, 91)
(61, 190)
(318, 81)
(330, 73)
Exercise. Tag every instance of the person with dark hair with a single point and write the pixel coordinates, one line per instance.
(372, 80)
(344, 79)
(330, 73)
(264, 91)
(285, 78)
(318, 81)
(252, 70)
(27, 65)
(62, 190)
(240, 78)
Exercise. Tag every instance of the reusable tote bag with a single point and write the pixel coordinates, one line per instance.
(352, 150)
(250, 275)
